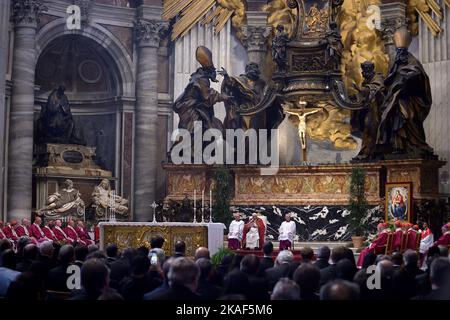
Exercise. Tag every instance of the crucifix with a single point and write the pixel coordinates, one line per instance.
(154, 205)
(301, 115)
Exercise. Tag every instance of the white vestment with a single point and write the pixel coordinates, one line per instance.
(252, 238)
(287, 231)
(426, 243)
(236, 229)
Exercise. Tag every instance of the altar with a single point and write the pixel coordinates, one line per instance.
(136, 234)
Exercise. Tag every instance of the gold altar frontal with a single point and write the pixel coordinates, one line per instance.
(136, 234)
(306, 185)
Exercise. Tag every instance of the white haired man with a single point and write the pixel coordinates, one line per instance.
(287, 232)
(235, 232)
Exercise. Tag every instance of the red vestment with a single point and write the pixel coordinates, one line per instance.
(49, 233)
(84, 235)
(61, 235)
(10, 233)
(71, 233)
(37, 233)
(22, 231)
(444, 240)
(412, 239)
(378, 246)
(261, 231)
(397, 240)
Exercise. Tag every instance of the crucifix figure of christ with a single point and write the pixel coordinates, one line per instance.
(301, 115)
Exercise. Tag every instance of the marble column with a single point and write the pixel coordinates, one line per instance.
(393, 16)
(20, 153)
(255, 35)
(4, 47)
(148, 35)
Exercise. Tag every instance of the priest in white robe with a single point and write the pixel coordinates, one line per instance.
(287, 233)
(235, 232)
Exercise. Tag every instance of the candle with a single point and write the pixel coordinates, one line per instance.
(210, 205)
(195, 204)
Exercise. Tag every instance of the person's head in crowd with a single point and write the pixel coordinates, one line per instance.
(180, 248)
(287, 217)
(94, 277)
(98, 254)
(397, 258)
(339, 290)
(205, 266)
(369, 260)
(25, 222)
(140, 266)
(184, 272)
(250, 264)
(58, 223)
(439, 272)
(236, 282)
(285, 289)
(66, 254)
(80, 224)
(236, 261)
(337, 254)
(21, 243)
(385, 268)
(8, 259)
(38, 220)
(128, 253)
(5, 244)
(112, 251)
(382, 257)
(268, 248)
(46, 249)
(410, 258)
(202, 252)
(166, 268)
(157, 242)
(143, 251)
(323, 253)
(92, 248)
(284, 257)
(307, 276)
(71, 223)
(350, 256)
(345, 270)
(443, 251)
(30, 252)
(81, 252)
(307, 254)
(110, 295)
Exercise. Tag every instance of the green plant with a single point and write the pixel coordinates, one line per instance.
(218, 256)
(222, 193)
(357, 204)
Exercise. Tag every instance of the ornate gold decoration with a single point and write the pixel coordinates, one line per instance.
(361, 43)
(140, 235)
(280, 14)
(216, 12)
(423, 8)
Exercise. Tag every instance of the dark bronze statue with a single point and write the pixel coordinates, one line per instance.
(254, 103)
(56, 124)
(197, 101)
(334, 47)
(366, 121)
(279, 54)
(406, 105)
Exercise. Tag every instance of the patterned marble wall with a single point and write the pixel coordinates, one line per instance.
(314, 223)
(434, 53)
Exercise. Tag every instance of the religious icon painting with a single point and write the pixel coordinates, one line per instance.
(398, 201)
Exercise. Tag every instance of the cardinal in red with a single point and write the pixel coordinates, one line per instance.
(413, 235)
(398, 235)
(378, 246)
(72, 233)
(24, 230)
(444, 240)
(60, 234)
(253, 233)
(2, 234)
(36, 230)
(83, 234)
(10, 231)
(47, 229)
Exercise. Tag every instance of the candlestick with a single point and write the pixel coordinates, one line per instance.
(210, 206)
(203, 204)
(195, 205)
(154, 205)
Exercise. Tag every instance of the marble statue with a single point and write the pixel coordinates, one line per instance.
(105, 200)
(64, 203)
(56, 124)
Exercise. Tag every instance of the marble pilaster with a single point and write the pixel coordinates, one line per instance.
(148, 35)
(393, 16)
(20, 155)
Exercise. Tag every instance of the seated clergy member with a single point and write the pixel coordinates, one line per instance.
(24, 230)
(10, 231)
(60, 234)
(72, 233)
(287, 233)
(427, 239)
(378, 246)
(413, 234)
(444, 240)
(398, 236)
(36, 231)
(253, 234)
(235, 232)
(83, 234)
(47, 229)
